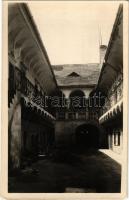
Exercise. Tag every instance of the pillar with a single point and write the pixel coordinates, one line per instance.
(113, 139)
(109, 140)
(76, 115)
(87, 116)
(121, 139)
(66, 115)
(15, 135)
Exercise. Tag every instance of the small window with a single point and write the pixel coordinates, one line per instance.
(74, 74)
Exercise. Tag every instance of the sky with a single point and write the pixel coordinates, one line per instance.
(70, 30)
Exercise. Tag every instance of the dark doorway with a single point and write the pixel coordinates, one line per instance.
(87, 136)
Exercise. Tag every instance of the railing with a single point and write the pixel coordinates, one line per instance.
(18, 81)
(71, 111)
(114, 96)
(86, 115)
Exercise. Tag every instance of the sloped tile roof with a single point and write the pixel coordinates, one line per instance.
(88, 74)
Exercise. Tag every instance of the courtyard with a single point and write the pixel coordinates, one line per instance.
(88, 171)
(65, 110)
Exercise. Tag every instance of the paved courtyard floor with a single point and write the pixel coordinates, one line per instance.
(70, 171)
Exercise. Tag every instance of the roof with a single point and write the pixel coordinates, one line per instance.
(86, 74)
(113, 62)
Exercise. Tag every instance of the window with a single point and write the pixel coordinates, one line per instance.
(74, 74)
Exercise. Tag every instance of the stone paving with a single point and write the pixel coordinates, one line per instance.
(69, 171)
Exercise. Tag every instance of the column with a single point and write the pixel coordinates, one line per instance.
(109, 139)
(66, 115)
(112, 139)
(15, 133)
(87, 114)
(76, 115)
(121, 139)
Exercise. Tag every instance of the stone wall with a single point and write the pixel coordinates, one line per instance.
(65, 132)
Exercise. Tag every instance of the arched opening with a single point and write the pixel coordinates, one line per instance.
(58, 100)
(87, 136)
(77, 98)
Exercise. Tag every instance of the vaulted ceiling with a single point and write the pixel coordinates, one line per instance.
(113, 64)
(26, 46)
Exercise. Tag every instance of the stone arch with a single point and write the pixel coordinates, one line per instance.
(77, 98)
(102, 141)
(87, 136)
(77, 92)
(58, 93)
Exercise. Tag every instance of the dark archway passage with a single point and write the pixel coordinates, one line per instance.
(87, 136)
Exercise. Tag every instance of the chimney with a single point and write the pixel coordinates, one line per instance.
(102, 49)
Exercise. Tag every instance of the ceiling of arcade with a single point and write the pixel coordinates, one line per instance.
(113, 65)
(26, 46)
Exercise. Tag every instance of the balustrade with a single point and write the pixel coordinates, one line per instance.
(70, 115)
(114, 96)
(18, 81)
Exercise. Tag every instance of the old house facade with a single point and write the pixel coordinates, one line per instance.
(80, 114)
(84, 101)
(30, 122)
(111, 83)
